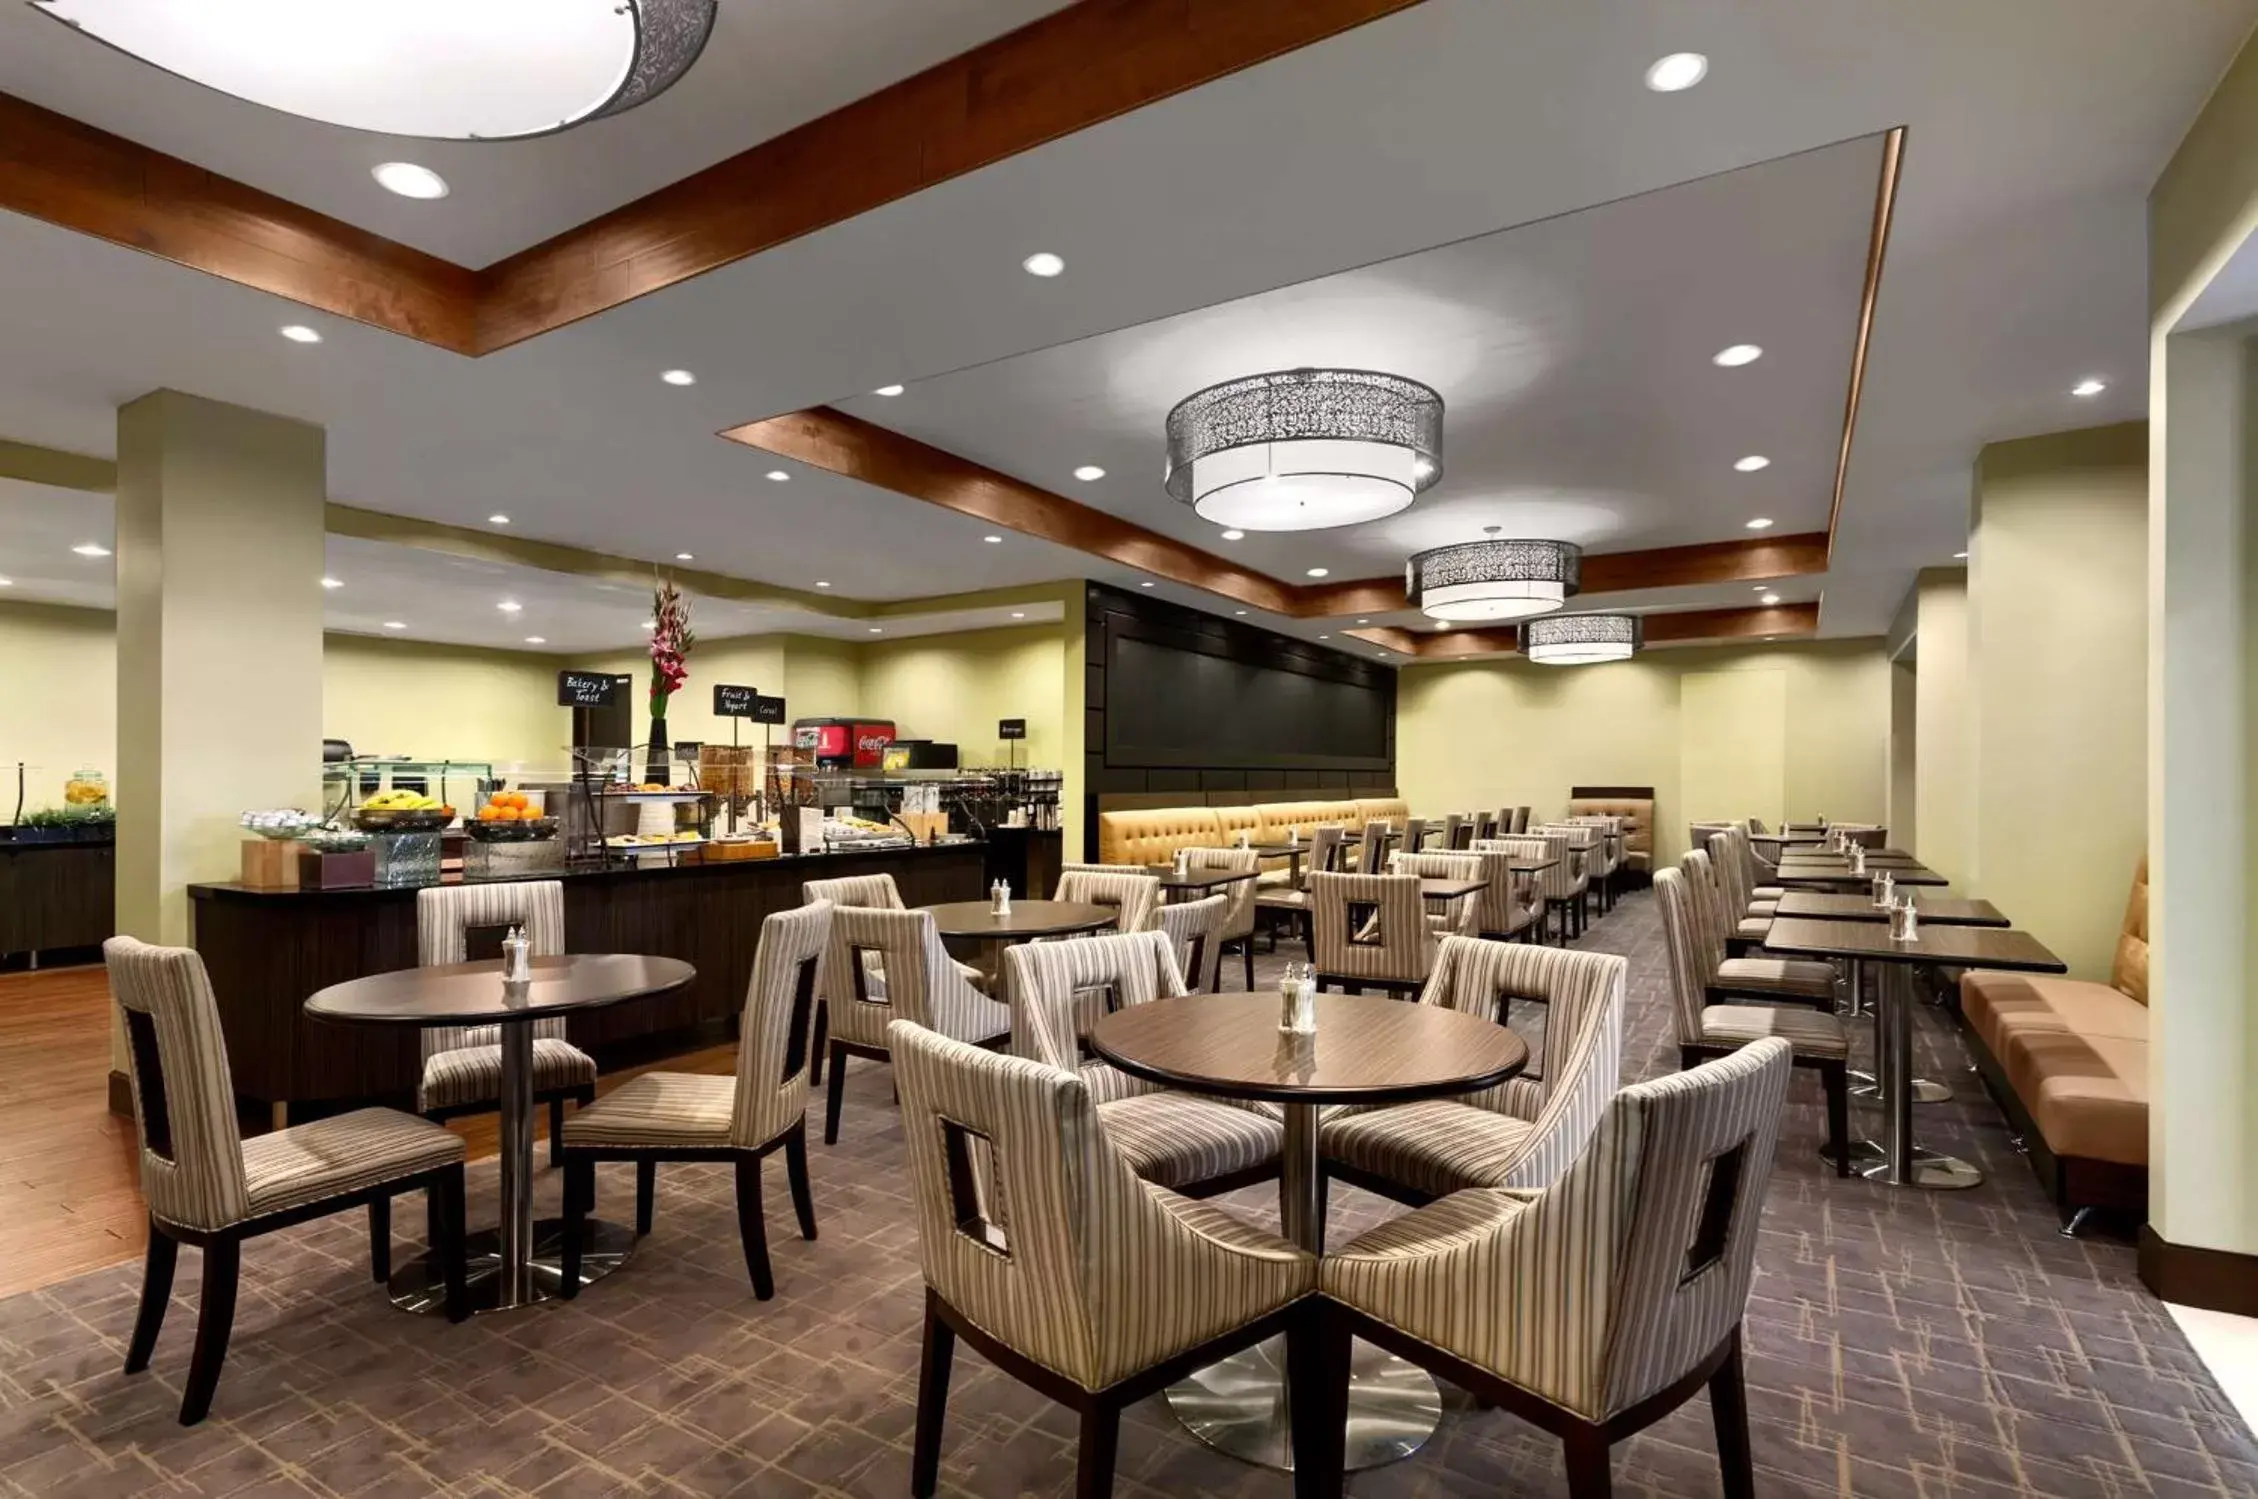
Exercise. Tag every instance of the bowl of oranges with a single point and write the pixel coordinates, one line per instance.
(510, 817)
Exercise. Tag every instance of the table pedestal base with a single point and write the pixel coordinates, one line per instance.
(419, 1286)
(1929, 1171)
(1866, 1085)
(1240, 1406)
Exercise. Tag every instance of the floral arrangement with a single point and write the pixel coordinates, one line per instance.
(671, 643)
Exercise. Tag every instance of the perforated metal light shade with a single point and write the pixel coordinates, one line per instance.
(441, 69)
(1494, 579)
(1301, 450)
(1582, 639)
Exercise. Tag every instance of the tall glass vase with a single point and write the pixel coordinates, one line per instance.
(658, 767)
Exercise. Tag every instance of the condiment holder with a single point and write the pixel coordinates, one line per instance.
(1905, 922)
(1297, 1000)
(1885, 892)
(999, 898)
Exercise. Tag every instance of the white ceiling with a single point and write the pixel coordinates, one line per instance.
(2018, 268)
(769, 66)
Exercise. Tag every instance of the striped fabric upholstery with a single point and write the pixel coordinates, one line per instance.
(1370, 926)
(445, 916)
(1559, 882)
(197, 1172)
(466, 1075)
(1582, 843)
(1811, 1034)
(1509, 902)
(1729, 862)
(1524, 1132)
(1238, 920)
(1797, 978)
(1702, 1024)
(1099, 1276)
(768, 1095)
(1458, 916)
(1583, 1293)
(877, 891)
(1369, 844)
(920, 982)
(1188, 921)
(1134, 894)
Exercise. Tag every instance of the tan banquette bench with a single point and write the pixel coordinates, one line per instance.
(2068, 1061)
(1152, 835)
(1638, 825)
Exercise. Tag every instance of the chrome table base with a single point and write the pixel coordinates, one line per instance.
(1905, 1163)
(1240, 1406)
(419, 1287)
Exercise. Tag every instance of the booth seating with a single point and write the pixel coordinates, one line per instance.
(1638, 827)
(2068, 1061)
(1152, 835)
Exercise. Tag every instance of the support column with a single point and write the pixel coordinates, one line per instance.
(219, 611)
(2057, 685)
(1941, 798)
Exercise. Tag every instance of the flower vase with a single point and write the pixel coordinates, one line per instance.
(658, 766)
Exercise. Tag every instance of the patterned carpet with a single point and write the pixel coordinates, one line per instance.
(1901, 1344)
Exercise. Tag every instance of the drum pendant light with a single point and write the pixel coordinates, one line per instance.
(1306, 449)
(1581, 639)
(1496, 579)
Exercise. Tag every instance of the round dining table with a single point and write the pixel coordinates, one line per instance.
(1365, 1050)
(978, 921)
(519, 1262)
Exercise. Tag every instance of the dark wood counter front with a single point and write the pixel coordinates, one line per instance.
(268, 950)
(56, 896)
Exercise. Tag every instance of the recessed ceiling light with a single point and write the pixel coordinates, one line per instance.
(395, 624)
(993, 540)
(1144, 585)
(1737, 355)
(91, 549)
(1018, 614)
(2089, 387)
(299, 333)
(536, 640)
(1320, 572)
(679, 377)
(409, 180)
(778, 475)
(1238, 611)
(887, 390)
(1752, 463)
(1770, 598)
(1089, 473)
(1678, 71)
(333, 582)
(1760, 588)
(1234, 536)
(1324, 637)
(823, 582)
(7, 582)
(876, 631)
(509, 606)
(1959, 556)
(1761, 523)
(1043, 263)
(497, 520)
(1364, 621)
(684, 557)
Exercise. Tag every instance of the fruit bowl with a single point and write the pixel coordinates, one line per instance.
(421, 820)
(281, 823)
(524, 830)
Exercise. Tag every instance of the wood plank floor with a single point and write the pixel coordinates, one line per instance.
(70, 1195)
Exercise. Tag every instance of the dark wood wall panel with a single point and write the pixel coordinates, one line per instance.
(56, 895)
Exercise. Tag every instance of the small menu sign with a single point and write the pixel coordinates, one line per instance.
(735, 702)
(588, 689)
(1011, 728)
(768, 710)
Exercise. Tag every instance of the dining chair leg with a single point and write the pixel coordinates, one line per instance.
(932, 1402)
(1317, 1390)
(836, 1097)
(752, 1227)
(821, 1037)
(451, 1245)
(156, 1295)
(1590, 1476)
(380, 1239)
(1835, 1077)
(1101, 1446)
(1728, 1404)
(646, 1188)
(556, 1128)
(1246, 950)
(579, 1202)
(215, 1320)
(796, 1168)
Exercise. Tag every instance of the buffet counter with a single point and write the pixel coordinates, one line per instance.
(56, 896)
(267, 950)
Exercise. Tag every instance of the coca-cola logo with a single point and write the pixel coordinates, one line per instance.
(874, 741)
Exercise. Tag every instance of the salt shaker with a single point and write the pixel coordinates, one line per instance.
(1905, 923)
(1857, 858)
(1183, 862)
(1305, 1004)
(517, 957)
(999, 898)
(1885, 896)
(1289, 995)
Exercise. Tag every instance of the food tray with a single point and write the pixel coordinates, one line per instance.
(537, 830)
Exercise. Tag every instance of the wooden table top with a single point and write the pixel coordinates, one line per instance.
(1950, 910)
(1839, 874)
(1530, 866)
(1958, 946)
(1196, 879)
(1449, 889)
(1365, 1049)
(473, 993)
(972, 920)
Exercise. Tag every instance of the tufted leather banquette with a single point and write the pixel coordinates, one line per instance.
(1152, 835)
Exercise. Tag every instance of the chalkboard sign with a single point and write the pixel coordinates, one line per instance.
(1011, 728)
(588, 689)
(735, 702)
(768, 710)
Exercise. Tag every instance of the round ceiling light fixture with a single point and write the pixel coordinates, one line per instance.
(1302, 450)
(1582, 639)
(1495, 579)
(441, 69)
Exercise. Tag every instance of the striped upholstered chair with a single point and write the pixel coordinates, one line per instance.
(1195, 930)
(1370, 931)
(688, 1116)
(1132, 893)
(1068, 1273)
(1197, 1146)
(208, 1186)
(1594, 1307)
(1238, 918)
(1511, 905)
(1749, 919)
(1580, 868)
(921, 984)
(1325, 856)
(1459, 916)
(462, 1064)
(1523, 1132)
(1800, 981)
(1557, 885)
(1821, 1041)
(878, 892)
